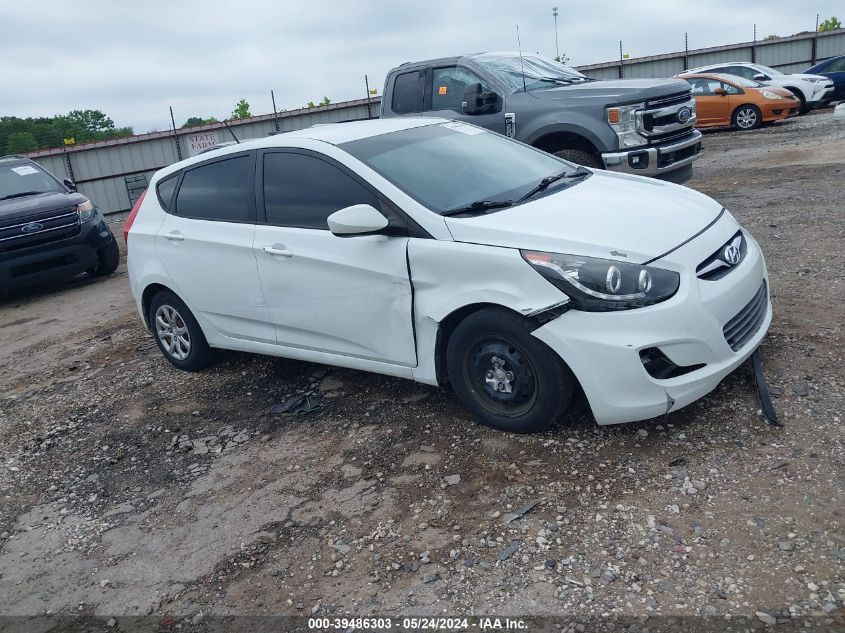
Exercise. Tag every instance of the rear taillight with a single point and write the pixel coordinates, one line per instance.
(131, 217)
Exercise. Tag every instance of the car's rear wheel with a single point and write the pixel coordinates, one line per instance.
(747, 117)
(108, 257)
(177, 333)
(504, 376)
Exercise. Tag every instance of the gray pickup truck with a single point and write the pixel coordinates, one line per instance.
(637, 126)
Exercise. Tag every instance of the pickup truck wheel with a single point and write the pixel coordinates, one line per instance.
(177, 333)
(580, 157)
(747, 117)
(505, 377)
(108, 257)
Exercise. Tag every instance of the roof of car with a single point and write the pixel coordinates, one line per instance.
(13, 158)
(702, 69)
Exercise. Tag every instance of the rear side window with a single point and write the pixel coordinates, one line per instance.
(408, 92)
(217, 191)
(837, 66)
(165, 191)
(303, 191)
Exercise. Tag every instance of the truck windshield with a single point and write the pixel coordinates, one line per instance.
(24, 179)
(540, 72)
(449, 166)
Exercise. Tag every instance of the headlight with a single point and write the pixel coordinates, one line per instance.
(817, 80)
(771, 95)
(623, 120)
(86, 211)
(602, 285)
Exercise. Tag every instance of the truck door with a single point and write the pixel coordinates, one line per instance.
(445, 97)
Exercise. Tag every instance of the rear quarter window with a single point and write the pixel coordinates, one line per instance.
(217, 191)
(165, 190)
(408, 92)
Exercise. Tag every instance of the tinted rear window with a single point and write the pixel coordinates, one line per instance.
(165, 191)
(408, 92)
(217, 191)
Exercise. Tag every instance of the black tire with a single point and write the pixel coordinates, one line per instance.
(580, 157)
(747, 117)
(494, 344)
(194, 356)
(802, 109)
(108, 257)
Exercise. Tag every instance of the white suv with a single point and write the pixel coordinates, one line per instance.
(812, 90)
(444, 253)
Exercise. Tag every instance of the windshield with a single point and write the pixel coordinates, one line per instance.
(448, 166)
(24, 179)
(540, 72)
(769, 71)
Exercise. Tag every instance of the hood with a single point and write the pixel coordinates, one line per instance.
(20, 207)
(615, 91)
(609, 215)
(786, 78)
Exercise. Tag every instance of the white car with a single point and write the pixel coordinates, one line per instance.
(812, 90)
(443, 253)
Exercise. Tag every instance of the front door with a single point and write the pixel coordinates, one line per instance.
(445, 100)
(348, 296)
(206, 246)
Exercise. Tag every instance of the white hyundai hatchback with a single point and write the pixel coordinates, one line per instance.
(443, 253)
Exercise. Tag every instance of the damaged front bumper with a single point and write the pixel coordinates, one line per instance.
(603, 349)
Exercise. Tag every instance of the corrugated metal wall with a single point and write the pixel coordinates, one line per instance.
(100, 168)
(787, 54)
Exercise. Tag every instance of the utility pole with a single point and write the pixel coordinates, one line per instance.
(686, 51)
(367, 88)
(557, 48)
(621, 57)
(754, 47)
(275, 116)
(175, 136)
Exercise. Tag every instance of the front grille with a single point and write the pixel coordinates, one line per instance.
(54, 225)
(739, 330)
(671, 137)
(718, 264)
(662, 102)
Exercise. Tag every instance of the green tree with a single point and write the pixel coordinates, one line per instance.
(771, 37)
(198, 120)
(241, 110)
(21, 142)
(311, 104)
(325, 101)
(831, 24)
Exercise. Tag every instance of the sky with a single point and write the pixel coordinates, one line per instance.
(134, 59)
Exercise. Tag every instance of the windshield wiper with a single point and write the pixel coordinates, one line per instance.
(21, 194)
(581, 172)
(479, 206)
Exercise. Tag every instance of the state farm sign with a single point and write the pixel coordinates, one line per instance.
(200, 141)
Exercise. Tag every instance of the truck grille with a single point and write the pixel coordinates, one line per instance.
(667, 117)
(662, 102)
(41, 228)
(739, 330)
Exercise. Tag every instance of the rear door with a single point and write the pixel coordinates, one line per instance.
(407, 94)
(348, 296)
(206, 245)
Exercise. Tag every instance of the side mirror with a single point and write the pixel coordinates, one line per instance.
(761, 77)
(69, 184)
(720, 91)
(359, 219)
(477, 102)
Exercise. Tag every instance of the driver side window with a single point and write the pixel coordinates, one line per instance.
(448, 86)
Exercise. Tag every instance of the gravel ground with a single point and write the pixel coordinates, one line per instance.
(130, 489)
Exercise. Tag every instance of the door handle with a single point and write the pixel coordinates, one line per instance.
(174, 236)
(279, 251)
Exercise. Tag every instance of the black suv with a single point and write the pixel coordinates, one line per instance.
(47, 229)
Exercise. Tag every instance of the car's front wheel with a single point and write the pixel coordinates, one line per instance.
(177, 333)
(747, 117)
(504, 376)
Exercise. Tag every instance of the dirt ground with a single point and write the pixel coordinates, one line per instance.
(133, 494)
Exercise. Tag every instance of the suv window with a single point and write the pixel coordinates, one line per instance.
(408, 92)
(303, 191)
(742, 71)
(217, 191)
(165, 191)
(448, 86)
(837, 66)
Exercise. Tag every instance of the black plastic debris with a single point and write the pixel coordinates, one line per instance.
(299, 405)
(521, 512)
(763, 389)
(509, 551)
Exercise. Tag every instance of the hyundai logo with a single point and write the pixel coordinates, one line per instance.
(32, 227)
(732, 255)
(684, 114)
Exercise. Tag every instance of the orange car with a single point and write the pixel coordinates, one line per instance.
(723, 100)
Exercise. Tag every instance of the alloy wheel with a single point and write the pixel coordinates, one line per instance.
(746, 118)
(172, 332)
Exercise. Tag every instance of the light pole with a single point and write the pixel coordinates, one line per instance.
(557, 50)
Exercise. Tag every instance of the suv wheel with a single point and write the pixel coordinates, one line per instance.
(504, 376)
(177, 333)
(108, 257)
